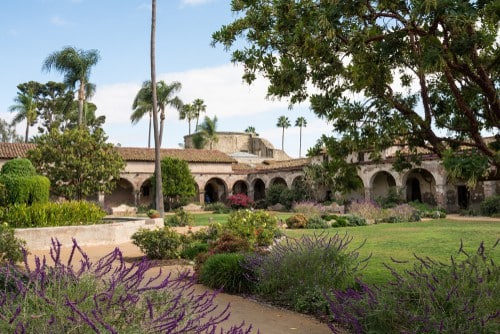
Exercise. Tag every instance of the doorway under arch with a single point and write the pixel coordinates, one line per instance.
(215, 190)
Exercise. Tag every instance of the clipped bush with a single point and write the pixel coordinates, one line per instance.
(298, 220)
(10, 246)
(491, 206)
(158, 244)
(258, 227)
(460, 297)
(86, 297)
(18, 167)
(296, 272)
(52, 214)
(224, 271)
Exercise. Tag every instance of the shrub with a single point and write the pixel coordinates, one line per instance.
(459, 297)
(18, 167)
(298, 220)
(228, 242)
(258, 227)
(296, 272)
(217, 207)
(108, 296)
(316, 222)
(10, 246)
(52, 214)
(400, 214)
(223, 271)
(191, 250)
(308, 208)
(366, 209)
(354, 220)
(25, 189)
(490, 206)
(181, 218)
(427, 211)
(240, 201)
(162, 243)
(279, 193)
(340, 221)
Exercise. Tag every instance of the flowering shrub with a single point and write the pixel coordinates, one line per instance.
(367, 209)
(258, 227)
(460, 297)
(240, 201)
(296, 272)
(308, 208)
(108, 296)
(400, 214)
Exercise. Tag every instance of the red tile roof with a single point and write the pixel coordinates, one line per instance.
(19, 150)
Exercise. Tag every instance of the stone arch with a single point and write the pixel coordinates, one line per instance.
(240, 187)
(357, 194)
(420, 186)
(382, 183)
(278, 180)
(259, 189)
(122, 194)
(146, 193)
(215, 190)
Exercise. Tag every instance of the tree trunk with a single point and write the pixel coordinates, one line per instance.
(149, 130)
(27, 130)
(159, 188)
(81, 97)
(300, 143)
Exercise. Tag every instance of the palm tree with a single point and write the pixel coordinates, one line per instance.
(75, 64)
(158, 181)
(251, 129)
(26, 108)
(187, 112)
(199, 107)
(302, 123)
(284, 123)
(207, 133)
(141, 106)
(143, 102)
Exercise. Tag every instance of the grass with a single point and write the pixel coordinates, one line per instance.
(437, 239)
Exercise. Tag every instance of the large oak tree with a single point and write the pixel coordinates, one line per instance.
(421, 72)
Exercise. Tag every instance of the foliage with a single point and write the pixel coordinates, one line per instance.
(399, 214)
(79, 163)
(296, 272)
(258, 227)
(8, 133)
(366, 209)
(10, 246)
(460, 297)
(164, 243)
(152, 213)
(279, 193)
(108, 295)
(469, 166)
(181, 218)
(191, 250)
(308, 208)
(421, 72)
(316, 222)
(206, 133)
(217, 207)
(354, 220)
(392, 199)
(491, 206)
(178, 183)
(240, 201)
(20, 184)
(428, 211)
(52, 214)
(18, 167)
(298, 220)
(224, 271)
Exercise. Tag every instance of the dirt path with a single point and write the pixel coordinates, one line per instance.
(264, 318)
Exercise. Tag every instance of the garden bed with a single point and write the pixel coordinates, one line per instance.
(86, 235)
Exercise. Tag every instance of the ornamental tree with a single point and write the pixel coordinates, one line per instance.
(421, 72)
(78, 162)
(178, 183)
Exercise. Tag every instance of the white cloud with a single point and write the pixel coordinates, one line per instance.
(194, 2)
(58, 21)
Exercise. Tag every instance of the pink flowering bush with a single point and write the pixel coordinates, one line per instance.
(240, 201)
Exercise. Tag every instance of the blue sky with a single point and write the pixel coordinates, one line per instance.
(120, 30)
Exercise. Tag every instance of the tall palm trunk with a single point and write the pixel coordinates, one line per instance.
(300, 143)
(159, 188)
(81, 98)
(283, 139)
(27, 130)
(149, 130)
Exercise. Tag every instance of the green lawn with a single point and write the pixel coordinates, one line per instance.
(437, 239)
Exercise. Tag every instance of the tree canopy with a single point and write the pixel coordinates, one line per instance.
(78, 162)
(178, 183)
(420, 72)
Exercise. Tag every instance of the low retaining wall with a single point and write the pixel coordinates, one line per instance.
(85, 235)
